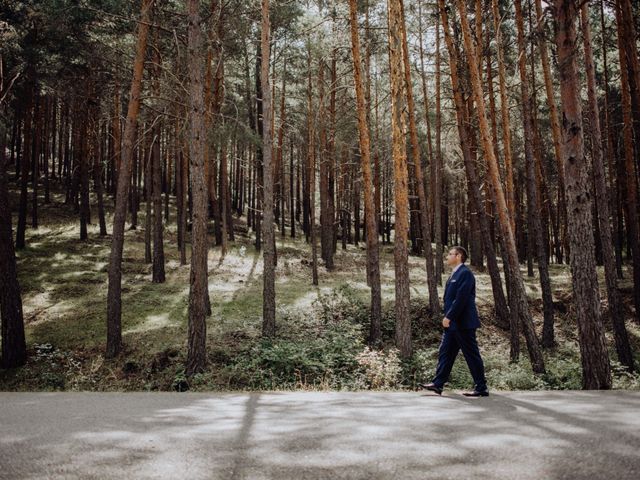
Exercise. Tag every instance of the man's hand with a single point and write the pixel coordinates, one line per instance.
(446, 322)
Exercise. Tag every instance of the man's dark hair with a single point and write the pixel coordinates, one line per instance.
(461, 251)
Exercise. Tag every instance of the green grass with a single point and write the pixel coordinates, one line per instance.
(321, 329)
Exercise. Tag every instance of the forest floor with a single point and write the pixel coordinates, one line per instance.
(321, 330)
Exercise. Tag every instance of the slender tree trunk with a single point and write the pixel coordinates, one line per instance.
(114, 305)
(593, 348)
(504, 111)
(269, 291)
(555, 123)
(365, 159)
(198, 291)
(35, 159)
(616, 312)
(24, 169)
(95, 153)
(438, 167)
(611, 151)
(535, 354)
(464, 132)
(311, 169)
(398, 125)
(419, 180)
(535, 235)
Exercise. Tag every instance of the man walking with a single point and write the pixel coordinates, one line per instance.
(460, 323)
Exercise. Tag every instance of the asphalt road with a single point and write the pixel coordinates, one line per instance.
(515, 435)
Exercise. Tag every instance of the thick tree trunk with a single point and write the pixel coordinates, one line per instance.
(593, 348)
(114, 305)
(14, 349)
(373, 253)
(633, 225)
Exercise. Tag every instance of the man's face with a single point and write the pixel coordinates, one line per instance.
(454, 258)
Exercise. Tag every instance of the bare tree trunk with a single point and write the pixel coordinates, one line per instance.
(555, 124)
(398, 126)
(24, 168)
(311, 172)
(612, 152)
(535, 354)
(535, 236)
(616, 312)
(198, 291)
(365, 160)
(504, 110)
(114, 305)
(593, 348)
(14, 349)
(419, 180)
(438, 167)
(269, 291)
(95, 153)
(633, 226)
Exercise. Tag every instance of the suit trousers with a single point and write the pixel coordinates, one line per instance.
(452, 343)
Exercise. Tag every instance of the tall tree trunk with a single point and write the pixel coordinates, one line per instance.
(148, 185)
(259, 189)
(555, 124)
(633, 226)
(158, 274)
(535, 354)
(532, 191)
(114, 305)
(35, 159)
(504, 111)
(612, 152)
(198, 291)
(437, 170)
(616, 312)
(464, 132)
(14, 349)
(400, 176)
(95, 154)
(373, 253)
(24, 168)
(311, 172)
(269, 290)
(419, 180)
(593, 348)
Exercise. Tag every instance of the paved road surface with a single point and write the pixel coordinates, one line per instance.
(526, 435)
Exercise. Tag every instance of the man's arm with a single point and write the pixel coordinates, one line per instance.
(463, 291)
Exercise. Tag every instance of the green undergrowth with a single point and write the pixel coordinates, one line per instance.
(322, 347)
(322, 332)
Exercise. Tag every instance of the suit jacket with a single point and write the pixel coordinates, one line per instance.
(460, 300)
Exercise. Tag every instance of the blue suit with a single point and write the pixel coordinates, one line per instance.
(460, 308)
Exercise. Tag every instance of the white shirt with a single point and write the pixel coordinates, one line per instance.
(456, 269)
